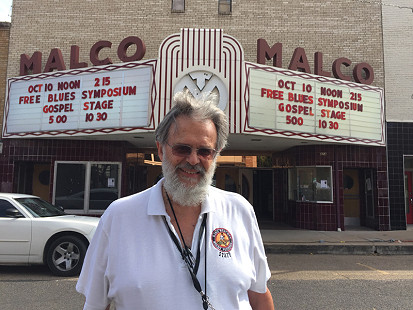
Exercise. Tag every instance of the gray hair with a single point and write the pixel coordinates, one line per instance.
(184, 104)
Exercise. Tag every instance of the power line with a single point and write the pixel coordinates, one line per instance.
(387, 4)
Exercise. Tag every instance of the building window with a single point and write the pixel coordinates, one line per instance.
(178, 6)
(86, 187)
(225, 7)
(311, 184)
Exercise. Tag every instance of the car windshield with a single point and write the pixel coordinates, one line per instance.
(39, 208)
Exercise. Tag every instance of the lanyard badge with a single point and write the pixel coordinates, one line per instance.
(191, 262)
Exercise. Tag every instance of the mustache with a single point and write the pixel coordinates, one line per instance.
(188, 166)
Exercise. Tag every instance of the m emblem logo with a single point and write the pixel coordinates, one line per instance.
(201, 84)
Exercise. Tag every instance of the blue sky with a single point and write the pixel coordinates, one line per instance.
(5, 10)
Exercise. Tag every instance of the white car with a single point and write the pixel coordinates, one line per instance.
(33, 231)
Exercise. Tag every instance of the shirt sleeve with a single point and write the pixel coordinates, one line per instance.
(93, 282)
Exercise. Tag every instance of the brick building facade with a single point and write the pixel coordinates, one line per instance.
(347, 28)
(4, 53)
(397, 31)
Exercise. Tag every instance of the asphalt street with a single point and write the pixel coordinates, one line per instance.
(298, 281)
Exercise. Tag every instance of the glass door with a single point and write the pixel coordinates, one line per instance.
(69, 185)
(408, 196)
(351, 193)
(369, 185)
(104, 185)
(86, 187)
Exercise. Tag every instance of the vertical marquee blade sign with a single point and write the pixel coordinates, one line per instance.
(79, 101)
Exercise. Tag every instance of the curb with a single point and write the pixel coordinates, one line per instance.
(339, 249)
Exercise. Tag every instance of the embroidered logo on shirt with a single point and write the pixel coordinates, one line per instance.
(222, 241)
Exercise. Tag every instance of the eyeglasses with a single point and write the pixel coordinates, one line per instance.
(184, 150)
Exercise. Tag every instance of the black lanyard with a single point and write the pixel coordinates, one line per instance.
(188, 257)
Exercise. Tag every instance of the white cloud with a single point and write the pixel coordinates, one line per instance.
(5, 10)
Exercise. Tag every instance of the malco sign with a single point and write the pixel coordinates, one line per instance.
(362, 72)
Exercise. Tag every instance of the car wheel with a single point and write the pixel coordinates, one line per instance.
(65, 256)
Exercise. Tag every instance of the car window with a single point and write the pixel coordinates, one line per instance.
(5, 205)
(40, 208)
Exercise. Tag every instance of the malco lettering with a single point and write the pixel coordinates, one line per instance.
(55, 60)
(362, 72)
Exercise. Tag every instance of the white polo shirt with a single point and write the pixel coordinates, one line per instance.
(133, 261)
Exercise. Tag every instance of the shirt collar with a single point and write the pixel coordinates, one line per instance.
(156, 204)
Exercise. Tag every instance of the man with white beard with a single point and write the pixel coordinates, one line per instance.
(182, 244)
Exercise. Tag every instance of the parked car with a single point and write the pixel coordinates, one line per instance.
(99, 199)
(33, 231)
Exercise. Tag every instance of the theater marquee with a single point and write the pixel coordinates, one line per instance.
(134, 96)
(115, 96)
(294, 104)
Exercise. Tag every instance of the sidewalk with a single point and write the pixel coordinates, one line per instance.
(357, 240)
